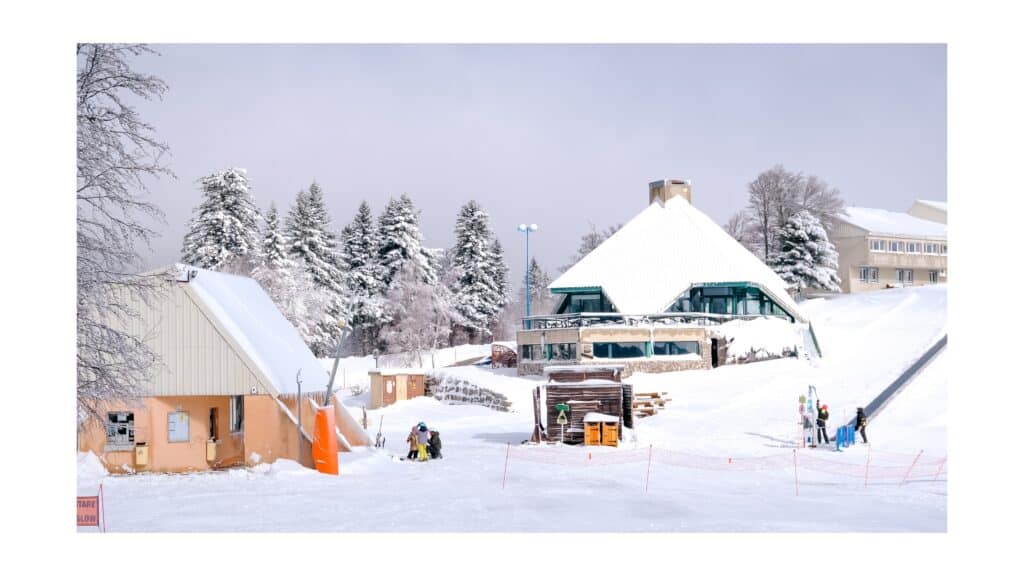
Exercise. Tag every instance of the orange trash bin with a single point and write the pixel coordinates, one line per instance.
(325, 441)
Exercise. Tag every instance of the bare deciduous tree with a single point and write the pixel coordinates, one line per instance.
(590, 241)
(773, 198)
(117, 153)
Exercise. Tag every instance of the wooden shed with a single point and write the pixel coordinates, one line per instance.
(388, 386)
(582, 398)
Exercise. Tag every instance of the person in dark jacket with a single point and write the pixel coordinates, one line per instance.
(822, 421)
(434, 445)
(862, 424)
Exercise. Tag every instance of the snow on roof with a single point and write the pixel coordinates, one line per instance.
(599, 417)
(588, 383)
(253, 321)
(397, 371)
(661, 252)
(933, 204)
(895, 223)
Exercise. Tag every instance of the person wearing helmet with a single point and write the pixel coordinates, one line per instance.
(822, 421)
(862, 424)
(422, 439)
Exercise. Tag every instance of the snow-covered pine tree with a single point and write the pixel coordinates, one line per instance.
(478, 296)
(806, 258)
(224, 233)
(420, 314)
(359, 252)
(314, 245)
(540, 298)
(287, 283)
(401, 242)
(501, 283)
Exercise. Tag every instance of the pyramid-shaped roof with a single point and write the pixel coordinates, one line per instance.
(663, 251)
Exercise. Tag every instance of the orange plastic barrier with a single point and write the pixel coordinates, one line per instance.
(325, 442)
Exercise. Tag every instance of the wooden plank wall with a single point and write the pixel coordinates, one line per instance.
(609, 400)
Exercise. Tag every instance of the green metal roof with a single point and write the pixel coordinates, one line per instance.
(577, 290)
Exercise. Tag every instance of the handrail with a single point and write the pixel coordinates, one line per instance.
(581, 319)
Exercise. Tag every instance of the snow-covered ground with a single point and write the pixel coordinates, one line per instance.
(672, 473)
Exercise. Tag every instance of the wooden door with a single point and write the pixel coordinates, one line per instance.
(415, 385)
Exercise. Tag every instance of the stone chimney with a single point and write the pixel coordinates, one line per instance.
(665, 189)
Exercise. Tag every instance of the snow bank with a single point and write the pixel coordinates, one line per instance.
(761, 339)
(90, 468)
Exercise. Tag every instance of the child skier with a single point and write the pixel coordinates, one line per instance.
(413, 448)
(862, 424)
(434, 446)
(422, 439)
(822, 421)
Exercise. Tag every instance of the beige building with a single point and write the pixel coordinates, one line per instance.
(225, 390)
(882, 249)
(929, 210)
(651, 296)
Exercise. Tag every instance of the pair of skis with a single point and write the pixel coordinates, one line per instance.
(379, 443)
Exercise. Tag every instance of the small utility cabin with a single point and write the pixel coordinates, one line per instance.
(591, 397)
(388, 386)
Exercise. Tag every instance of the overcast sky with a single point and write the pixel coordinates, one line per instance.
(563, 136)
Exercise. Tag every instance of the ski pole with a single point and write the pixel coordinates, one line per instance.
(796, 480)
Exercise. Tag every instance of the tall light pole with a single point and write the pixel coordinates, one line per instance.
(527, 228)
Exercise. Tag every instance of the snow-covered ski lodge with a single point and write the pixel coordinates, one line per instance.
(883, 249)
(650, 296)
(225, 391)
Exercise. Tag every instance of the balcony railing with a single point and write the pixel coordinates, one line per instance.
(585, 319)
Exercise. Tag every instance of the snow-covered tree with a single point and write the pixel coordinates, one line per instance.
(401, 244)
(288, 284)
(776, 195)
(117, 155)
(314, 246)
(420, 314)
(481, 274)
(805, 257)
(224, 233)
(540, 298)
(359, 252)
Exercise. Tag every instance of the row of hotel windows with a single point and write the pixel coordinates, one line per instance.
(904, 276)
(903, 247)
(121, 425)
(610, 350)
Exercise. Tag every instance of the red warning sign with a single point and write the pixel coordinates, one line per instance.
(89, 511)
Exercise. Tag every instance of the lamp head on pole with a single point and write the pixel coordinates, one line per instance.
(527, 227)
